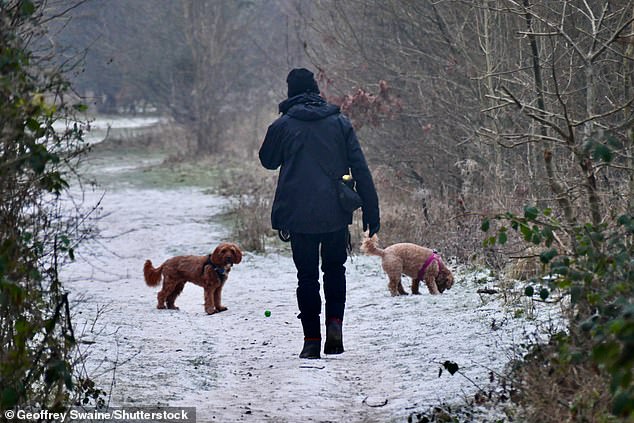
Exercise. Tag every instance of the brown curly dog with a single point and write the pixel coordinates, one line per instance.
(209, 272)
(419, 263)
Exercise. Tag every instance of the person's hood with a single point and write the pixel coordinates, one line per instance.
(307, 106)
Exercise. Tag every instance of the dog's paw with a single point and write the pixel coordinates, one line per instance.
(210, 310)
(221, 308)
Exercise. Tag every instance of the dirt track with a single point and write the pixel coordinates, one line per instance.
(242, 366)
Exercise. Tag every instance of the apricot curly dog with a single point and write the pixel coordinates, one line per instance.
(419, 263)
(209, 272)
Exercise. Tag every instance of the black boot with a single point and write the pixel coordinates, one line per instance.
(311, 348)
(334, 337)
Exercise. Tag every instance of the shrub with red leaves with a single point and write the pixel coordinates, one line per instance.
(363, 107)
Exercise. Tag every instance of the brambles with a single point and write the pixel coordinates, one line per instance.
(596, 279)
(37, 342)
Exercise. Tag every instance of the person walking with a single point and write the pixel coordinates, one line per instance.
(311, 142)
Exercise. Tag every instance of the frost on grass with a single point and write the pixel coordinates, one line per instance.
(240, 364)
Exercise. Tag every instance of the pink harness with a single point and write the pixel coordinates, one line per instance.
(434, 257)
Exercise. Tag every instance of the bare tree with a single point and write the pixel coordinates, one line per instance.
(237, 50)
(572, 95)
(504, 102)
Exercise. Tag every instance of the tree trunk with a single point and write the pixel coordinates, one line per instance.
(555, 186)
(587, 166)
(628, 72)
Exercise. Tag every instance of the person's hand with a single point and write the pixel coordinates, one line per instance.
(373, 228)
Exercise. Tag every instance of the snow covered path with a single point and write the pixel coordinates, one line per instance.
(242, 366)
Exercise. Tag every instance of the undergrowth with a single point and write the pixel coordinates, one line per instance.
(584, 373)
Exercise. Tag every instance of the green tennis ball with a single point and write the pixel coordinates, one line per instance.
(267, 313)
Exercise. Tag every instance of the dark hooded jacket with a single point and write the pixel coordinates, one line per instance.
(311, 142)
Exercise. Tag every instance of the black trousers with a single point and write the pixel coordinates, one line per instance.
(307, 249)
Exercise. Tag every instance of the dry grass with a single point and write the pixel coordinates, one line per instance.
(413, 214)
(406, 216)
(556, 390)
(525, 266)
(250, 189)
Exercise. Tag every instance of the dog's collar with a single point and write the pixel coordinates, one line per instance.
(434, 257)
(220, 271)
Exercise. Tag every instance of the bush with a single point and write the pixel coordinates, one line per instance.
(596, 277)
(37, 342)
(251, 190)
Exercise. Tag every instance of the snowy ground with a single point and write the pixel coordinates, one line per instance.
(242, 366)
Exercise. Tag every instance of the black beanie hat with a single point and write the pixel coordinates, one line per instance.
(301, 80)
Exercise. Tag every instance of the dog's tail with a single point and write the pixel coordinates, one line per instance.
(369, 247)
(152, 275)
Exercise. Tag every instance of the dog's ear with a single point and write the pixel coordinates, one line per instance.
(236, 252)
(450, 281)
(216, 256)
(446, 276)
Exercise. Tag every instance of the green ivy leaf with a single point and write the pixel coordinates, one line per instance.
(530, 213)
(546, 256)
(548, 235)
(27, 8)
(623, 404)
(588, 324)
(529, 291)
(488, 242)
(602, 152)
(526, 232)
(576, 292)
(544, 293)
(80, 107)
(33, 124)
(536, 237)
(9, 398)
(605, 352)
(485, 225)
(22, 326)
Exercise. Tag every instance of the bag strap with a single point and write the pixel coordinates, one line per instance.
(331, 173)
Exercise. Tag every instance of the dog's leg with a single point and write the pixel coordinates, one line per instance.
(430, 281)
(218, 300)
(415, 286)
(161, 300)
(210, 307)
(395, 286)
(171, 298)
(401, 290)
(162, 296)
